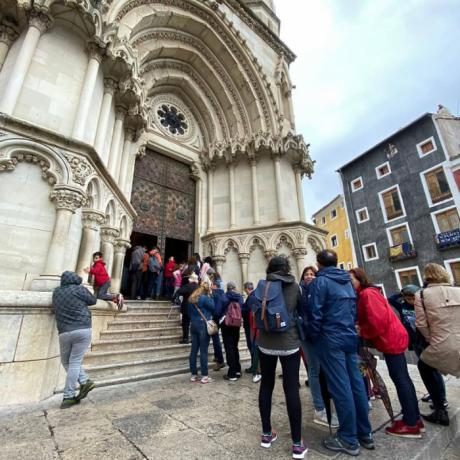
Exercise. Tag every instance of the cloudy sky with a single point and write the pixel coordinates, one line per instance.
(365, 68)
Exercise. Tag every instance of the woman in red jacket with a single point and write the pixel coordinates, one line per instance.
(377, 322)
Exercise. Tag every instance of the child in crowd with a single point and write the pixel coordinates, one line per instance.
(177, 274)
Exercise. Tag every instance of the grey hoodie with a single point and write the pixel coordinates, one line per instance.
(288, 340)
(70, 304)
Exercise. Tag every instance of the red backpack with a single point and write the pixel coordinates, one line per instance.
(233, 316)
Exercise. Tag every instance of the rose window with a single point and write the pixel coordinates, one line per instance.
(172, 120)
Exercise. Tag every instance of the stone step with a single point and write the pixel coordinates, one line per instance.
(152, 309)
(148, 303)
(122, 325)
(147, 316)
(135, 342)
(147, 332)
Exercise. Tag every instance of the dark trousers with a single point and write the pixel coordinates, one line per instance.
(247, 330)
(346, 386)
(434, 383)
(103, 292)
(152, 281)
(200, 341)
(397, 368)
(136, 284)
(231, 337)
(217, 348)
(185, 326)
(290, 365)
(169, 287)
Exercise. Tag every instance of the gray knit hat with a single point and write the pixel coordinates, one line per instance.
(231, 285)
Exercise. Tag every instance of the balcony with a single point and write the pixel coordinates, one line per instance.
(402, 251)
(448, 240)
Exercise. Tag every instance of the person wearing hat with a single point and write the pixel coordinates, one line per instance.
(231, 334)
(186, 291)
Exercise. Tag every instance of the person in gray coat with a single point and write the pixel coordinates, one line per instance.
(73, 321)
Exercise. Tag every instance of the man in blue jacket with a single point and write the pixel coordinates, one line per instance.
(331, 312)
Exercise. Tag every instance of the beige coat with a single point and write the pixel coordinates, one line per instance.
(439, 322)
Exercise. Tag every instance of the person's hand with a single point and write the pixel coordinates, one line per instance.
(86, 270)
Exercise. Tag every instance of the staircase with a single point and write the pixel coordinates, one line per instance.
(142, 344)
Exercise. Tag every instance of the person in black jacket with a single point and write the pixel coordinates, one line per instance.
(185, 291)
(73, 321)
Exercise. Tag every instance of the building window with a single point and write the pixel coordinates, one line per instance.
(323, 220)
(392, 205)
(370, 252)
(409, 275)
(333, 214)
(383, 170)
(357, 184)
(436, 186)
(446, 220)
(426, 147)
(399, 234)
(342, 266)
(347, 234)
(453, 267)
(334, 241)
(362, 215)
(314, 221)
(349, 265)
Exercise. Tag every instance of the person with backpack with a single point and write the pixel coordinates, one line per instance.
(217, 296)
(230, 322)
(136, 266)
(186, 291)
(437, 317)
(276, 302)
(153, 274)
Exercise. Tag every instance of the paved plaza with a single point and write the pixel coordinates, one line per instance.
(173, 418)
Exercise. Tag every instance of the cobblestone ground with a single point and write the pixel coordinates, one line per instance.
(173, 418)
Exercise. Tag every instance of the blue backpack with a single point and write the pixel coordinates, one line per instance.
(269, 308)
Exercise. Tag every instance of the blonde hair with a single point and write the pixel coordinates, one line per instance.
(435, 273)
(203, 289)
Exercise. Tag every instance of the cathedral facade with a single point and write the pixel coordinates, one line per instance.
(122, 121)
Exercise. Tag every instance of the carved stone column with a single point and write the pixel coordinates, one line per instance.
(219, 261)
(117, 271)
(108, 236)
(196, 177)
(120, 113)
(244, 261)
(103, 124)
(210, 199)
(231, 184)
(122, 166)
(298, 185)
(91, 220)
(67, 201)
(269, 254)
(299, 254)
(255, 192)
(131, 167)
(8, 35)
(279, 196)
(38, 23)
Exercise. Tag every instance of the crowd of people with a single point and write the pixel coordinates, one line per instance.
(322, 320)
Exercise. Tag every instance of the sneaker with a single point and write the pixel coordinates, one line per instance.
(268, 439)
(194, 378)
(230, 379)
(421, 426)
(299, 451)
(206, 379)
(399, 428)
(238, 374)
(257, 378)
(218, 366)
(426, 398)
(69, 402)
(320, 418)
(367, 442)
(369, 404)
(120, 302)
(439, 416)
(445, 404)
(85, 388)
(183, 341)
(337, 445)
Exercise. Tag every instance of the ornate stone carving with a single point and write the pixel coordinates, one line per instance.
(8, 32)
(142, 151)
(195, 172)
(9, 164)
(299, 253)
(41, 20)
(269, 254)
(68, 198)
(96, 49)
(244, 257)
(110, 85)
(109, 234)
(81, 169)
(219, 259)
(315, 244)
(92, 218)
(121, 246)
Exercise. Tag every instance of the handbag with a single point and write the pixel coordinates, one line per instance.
(211, 326)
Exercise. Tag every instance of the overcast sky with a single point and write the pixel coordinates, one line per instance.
(365, 68)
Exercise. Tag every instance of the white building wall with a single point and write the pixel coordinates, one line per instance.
(257, 265)
(232, 269)
(288, 192)
(5, 73)
(94, 110)
(267, 192)
(243, 195)
(221, 198)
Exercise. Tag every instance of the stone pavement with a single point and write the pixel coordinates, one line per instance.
(173, 418)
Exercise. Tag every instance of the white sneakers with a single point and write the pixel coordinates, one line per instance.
(257, 378)
(321, 419)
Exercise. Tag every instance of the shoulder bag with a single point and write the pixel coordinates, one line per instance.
(211, 326)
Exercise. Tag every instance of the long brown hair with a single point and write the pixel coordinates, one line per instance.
(203, 289)
(362, 277)
(310, 267)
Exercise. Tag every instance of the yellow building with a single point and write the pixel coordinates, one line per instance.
(333, 218)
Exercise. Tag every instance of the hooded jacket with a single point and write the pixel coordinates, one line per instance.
(379, 323)
(331, 310)
(137, 259)
(185, 291)
(227, 298)
(70, 304)
(289, 339)
(99, 272)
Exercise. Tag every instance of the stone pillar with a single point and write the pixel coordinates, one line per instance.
(210, 200)
(255, 193)
(269, 254)
(103, 124)
(231, 183)
(108, 236)
(122, 166)
(219, 261)
(299, 255)
(115, 147)
(121, 246)
(244, 261)
(8, 35)
(279, 196)
(132, 166)
(86, 95)
(67, 201)
(196, 177)
(300, 201)
(91, 220)
(38, 24)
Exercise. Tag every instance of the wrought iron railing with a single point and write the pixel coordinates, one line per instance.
(402, 251)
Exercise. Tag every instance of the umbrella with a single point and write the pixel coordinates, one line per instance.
(369, 366)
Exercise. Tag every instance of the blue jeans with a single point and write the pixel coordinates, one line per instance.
(159, 284)
(103, 292)
(73, 345)
(313, 374)
(200, 341)
(346, 386)
(217, 348)
(397, 368)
